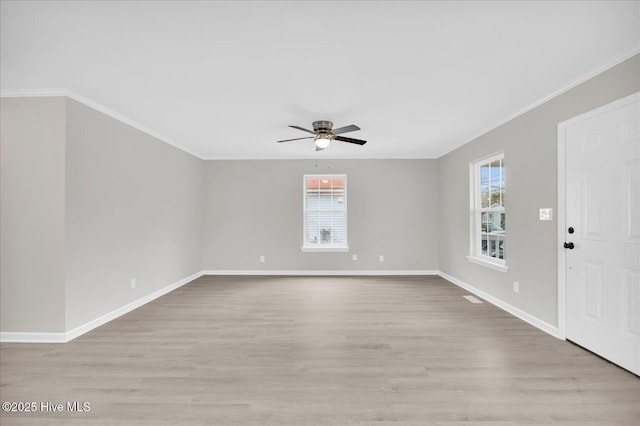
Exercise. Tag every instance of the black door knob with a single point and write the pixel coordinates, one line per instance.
(570, 230)
(569, 246)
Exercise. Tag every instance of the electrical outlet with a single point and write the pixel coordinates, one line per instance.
(354, 257)
(516, 287)
(381, 258)
(262, 259)
(133, 283)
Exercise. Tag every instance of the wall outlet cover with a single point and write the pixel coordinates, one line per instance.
(546, 214)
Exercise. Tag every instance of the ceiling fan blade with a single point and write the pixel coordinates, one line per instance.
(296, 139)
(303, 129)
(345, 129)
(350, 140)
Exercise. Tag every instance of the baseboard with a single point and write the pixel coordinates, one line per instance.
(417, 272)
(17, 337)
(26, 337)
(524, 316)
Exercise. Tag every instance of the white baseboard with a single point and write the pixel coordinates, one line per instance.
(524, 316)
(17, 337)
(78, 331)
(26, 337)
(318, 273)
(63, 337)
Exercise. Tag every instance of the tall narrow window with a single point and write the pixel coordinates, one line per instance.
(325, 213)
(488, 214)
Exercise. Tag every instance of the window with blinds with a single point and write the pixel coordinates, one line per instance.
(325, 213)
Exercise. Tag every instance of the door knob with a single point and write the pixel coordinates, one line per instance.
(569, 246)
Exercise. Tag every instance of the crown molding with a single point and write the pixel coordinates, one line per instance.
(599, 69)
(98, 107)
(613, 61)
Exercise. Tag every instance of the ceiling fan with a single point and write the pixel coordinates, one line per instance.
(323, 134)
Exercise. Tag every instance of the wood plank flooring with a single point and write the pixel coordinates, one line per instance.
(318, 351)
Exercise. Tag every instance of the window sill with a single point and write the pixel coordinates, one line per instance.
(324, 249)
(488, 264)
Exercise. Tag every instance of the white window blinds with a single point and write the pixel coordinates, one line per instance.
(325, 212)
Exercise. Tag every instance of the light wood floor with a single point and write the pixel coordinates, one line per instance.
(318, 351)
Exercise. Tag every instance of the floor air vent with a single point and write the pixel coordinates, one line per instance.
(472, 299)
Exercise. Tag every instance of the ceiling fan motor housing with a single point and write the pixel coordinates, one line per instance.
(322, 126)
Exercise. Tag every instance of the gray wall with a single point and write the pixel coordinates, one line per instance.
(32, 192)
(530, 146)
(88, 203)
(134, 210)
(254, 208)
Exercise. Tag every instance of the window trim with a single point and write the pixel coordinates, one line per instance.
(323, 247)
(475, 249)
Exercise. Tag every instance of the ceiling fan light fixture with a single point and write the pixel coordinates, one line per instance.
(322, 141)
(323, 133)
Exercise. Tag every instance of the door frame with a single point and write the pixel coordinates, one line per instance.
(562, 220)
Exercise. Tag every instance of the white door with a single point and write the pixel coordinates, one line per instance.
(602, 254)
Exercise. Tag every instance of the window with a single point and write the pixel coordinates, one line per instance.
(325, 213)
(488, 215)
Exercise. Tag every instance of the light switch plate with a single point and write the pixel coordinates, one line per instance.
(546, 214)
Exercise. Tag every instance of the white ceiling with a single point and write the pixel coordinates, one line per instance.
(224, 79)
